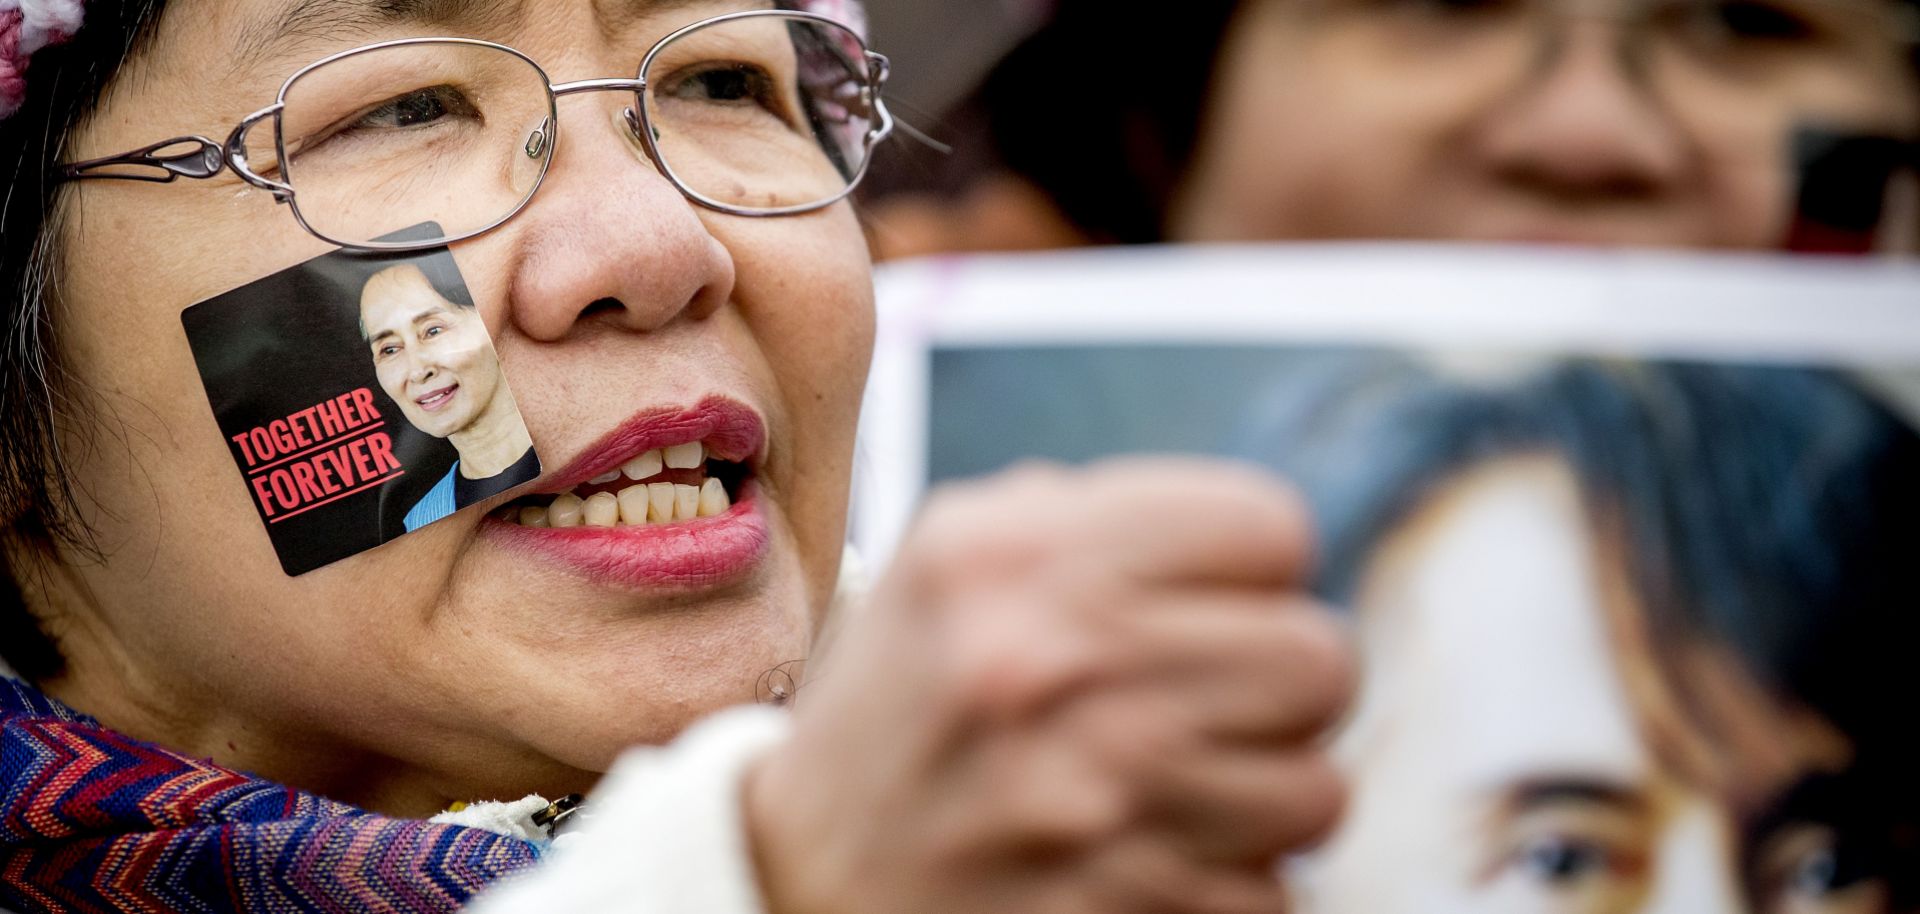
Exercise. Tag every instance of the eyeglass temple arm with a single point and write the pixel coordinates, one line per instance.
(879, 69)
(206, 159)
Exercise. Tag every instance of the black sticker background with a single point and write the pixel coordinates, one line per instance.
(287, 342)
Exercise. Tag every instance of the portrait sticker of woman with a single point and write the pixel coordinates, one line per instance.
(361, 399)
(436, 363)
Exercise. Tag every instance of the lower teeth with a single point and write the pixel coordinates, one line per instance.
(637, 505)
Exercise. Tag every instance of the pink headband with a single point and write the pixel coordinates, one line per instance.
(26, 26)
(850, 13)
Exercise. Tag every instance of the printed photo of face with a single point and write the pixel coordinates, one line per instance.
(1597, 673)
(433, 356)
(1518, 749)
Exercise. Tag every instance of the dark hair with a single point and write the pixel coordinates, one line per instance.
(1769, 509)
(37, 397)
(441, 275)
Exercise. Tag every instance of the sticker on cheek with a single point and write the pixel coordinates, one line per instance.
(361, 398)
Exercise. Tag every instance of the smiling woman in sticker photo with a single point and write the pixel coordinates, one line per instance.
(437, 364)
(646, 203)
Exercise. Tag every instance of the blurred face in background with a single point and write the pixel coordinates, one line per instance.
(1517, 749)
(1644, 122)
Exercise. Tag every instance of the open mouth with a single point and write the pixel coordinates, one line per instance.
(670, 498)
(436, 399)
(672, 484)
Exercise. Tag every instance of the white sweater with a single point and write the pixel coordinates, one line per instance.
(662, 834)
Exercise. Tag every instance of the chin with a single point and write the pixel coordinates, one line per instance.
(588, 671)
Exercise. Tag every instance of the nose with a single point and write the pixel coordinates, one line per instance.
(420, 369)
(1587, 127)
(608, 239)
(1694, 866)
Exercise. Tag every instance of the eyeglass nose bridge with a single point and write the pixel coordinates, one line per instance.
(1629, 41)
(636, 125)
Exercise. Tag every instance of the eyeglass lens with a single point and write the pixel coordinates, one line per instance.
(1748, 69)
(763, 113)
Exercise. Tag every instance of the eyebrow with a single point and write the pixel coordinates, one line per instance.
(1546, 792)
(298, 22)
(417, 320)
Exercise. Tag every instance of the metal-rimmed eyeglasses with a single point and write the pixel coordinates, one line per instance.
(757, 113)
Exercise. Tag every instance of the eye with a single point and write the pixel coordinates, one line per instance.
(1560, 860)
(1762, 20)
(433, 331)
(385, 351)
(421, 113)
(1723, 23)
(1817, 873)
(1810, 868)
(417, 108)
(725, 84)
(1449, 9)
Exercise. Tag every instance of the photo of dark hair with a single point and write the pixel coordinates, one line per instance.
(1769, 509)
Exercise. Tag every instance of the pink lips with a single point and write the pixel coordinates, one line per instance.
(694, 554)
(432, 402)
(707, 552)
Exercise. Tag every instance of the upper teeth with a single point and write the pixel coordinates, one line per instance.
(685, 456)
(643, 466)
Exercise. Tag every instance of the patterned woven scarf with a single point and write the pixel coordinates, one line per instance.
(92, 821)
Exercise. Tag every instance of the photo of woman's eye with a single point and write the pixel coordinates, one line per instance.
(945, 457)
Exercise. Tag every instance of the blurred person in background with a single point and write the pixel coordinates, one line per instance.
(1633, 637)
(1686, 123)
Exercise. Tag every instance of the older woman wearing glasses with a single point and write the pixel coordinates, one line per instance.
(1049, 705)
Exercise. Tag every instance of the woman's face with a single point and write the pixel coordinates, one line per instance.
(433, 357)
(1516, 750)
(470, 659)
(1644, 122)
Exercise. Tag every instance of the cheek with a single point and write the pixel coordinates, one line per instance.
(1307, 139)
(806, 293)
(392, 373)
(189, 567)
(473, 360)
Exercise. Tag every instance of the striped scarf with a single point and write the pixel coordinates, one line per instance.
(93, 821)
